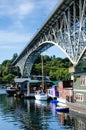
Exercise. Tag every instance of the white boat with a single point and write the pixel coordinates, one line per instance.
(61, 100)
(61, 104)
(41, 97)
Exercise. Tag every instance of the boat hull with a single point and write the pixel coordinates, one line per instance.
(42, 97)
(61, 100)
(62, 109)
(11, 91)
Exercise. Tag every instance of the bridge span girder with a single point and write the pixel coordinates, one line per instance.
(66, 28)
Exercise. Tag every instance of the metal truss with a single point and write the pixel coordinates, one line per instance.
(66, 28)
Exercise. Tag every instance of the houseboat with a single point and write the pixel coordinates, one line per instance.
(35, 85)
(21, 86)
(65, 89)
(79, 87)
(29, 86)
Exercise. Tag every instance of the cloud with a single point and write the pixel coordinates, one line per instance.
(14, 8)
(46, 5)
(19, 20)
(25, 9)
(14, 37)
(17, 25)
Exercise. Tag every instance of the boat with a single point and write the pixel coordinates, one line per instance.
(11, 91)
(41, 97)
(40, 94)
(54, 101)
(62, 105)
(62, 109)
(61, 100)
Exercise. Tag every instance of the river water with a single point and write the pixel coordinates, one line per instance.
(29, 114)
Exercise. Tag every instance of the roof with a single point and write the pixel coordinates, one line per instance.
(34, 81)
(21, 80)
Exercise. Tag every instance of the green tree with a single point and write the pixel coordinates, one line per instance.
(8, 79)
(15, 55)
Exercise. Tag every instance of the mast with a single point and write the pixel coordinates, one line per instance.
(42, 72)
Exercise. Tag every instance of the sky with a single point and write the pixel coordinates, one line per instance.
(19, 21)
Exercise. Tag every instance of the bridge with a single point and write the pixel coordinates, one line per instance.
(65, 28)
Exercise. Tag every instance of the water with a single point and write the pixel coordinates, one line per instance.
(25, 114)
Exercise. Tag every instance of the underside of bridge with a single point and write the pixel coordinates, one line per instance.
(65, 28)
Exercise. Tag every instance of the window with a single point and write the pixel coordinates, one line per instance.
(79, 97)
(83, 80)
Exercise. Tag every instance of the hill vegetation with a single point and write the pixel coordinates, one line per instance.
(57, 68)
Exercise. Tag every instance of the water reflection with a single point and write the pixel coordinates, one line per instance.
(79, 121)
(66, 120)
(21, 114)
(73, 121)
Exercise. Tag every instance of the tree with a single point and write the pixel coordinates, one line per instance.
(8, 79)
(15, 55)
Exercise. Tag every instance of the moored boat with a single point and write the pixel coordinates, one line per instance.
(54, 101)
(41, 96)
(11, 91)
(61, 100)
(62, 109)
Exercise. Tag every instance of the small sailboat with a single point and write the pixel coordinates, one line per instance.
(41, 95)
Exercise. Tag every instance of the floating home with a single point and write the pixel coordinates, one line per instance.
(35, 85)
(65, 89)
(28, 86)
(80, 87)
(78, 75)
(21, 85)
(79, 84)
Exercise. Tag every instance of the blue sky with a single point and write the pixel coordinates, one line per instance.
(19, 21)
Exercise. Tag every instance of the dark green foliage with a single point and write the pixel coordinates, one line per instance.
(8, 72)
(15, 55)
(8, 79)
(57, 68)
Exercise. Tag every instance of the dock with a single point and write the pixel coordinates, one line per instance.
(78, 108)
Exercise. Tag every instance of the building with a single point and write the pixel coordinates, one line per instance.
(29, 86)
(52, 92)
(80, 87)
(65, 89)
